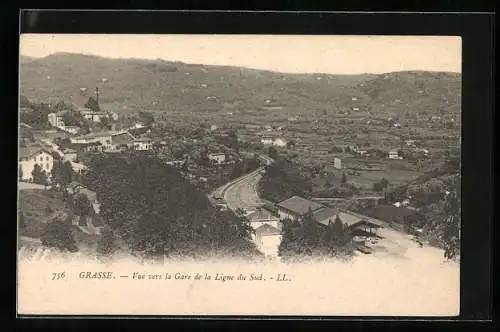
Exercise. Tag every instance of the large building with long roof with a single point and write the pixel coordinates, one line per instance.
(297, 208)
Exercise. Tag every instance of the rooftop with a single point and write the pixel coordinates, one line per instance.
(270, 134)
(91, 195)
(143, 139)
(96, 134)
(351, 219)
(299, 205)
(267, 229)
(392, 213)
(89, 111)
(74, 184)
(122, 138)
(59, 113)
(325, 214)
(78, 166)
(260, 214)
(31, 151)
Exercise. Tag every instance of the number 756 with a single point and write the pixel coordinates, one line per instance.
(58, 275)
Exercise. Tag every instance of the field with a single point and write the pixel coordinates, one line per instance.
(232, 95)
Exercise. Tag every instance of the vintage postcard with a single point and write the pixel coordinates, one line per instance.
(239, 175)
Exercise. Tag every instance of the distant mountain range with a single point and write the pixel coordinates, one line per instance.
(175, 87)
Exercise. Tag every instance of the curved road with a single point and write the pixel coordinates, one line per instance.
(243, 193)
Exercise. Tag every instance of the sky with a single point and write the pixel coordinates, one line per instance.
(283, 53)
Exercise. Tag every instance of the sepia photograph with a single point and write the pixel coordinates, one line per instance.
(239, 175)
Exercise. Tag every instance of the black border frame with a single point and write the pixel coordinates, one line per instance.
(476, 30)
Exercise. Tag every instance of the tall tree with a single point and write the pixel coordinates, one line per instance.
(309, 234)
(82, 205)
(92, 104)
(237, 170)
(384, 183)
(39, 175)
(344, 179)
(106, 244)
(62, 173)
(60, 106)
(105, 123)
(273, 153)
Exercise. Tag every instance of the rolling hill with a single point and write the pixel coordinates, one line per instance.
(176, 88)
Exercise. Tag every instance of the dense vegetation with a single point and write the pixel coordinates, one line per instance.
(438, 196)
(59, 234)
(155, 211)
(281, 181)
(310, 239)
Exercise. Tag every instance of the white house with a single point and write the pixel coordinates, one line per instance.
(268, 238)
(29, 157)
(143, 144)
(138, 125)
(272, 139)
(113, 116)
(78, 168)
(394, 155)
(218, 158)
(70, 129)
(92, 115)
(56, 119)
(337, 163)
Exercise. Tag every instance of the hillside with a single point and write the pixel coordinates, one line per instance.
(177, 88)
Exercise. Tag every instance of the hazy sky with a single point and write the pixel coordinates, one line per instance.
(284, 53)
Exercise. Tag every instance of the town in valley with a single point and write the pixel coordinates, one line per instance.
(157, 159)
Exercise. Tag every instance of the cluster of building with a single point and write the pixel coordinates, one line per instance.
(44, 158)
(297, 208)
(267, 221)
(273, 138)
(111, 141)
(56, 119)
(31, 156)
